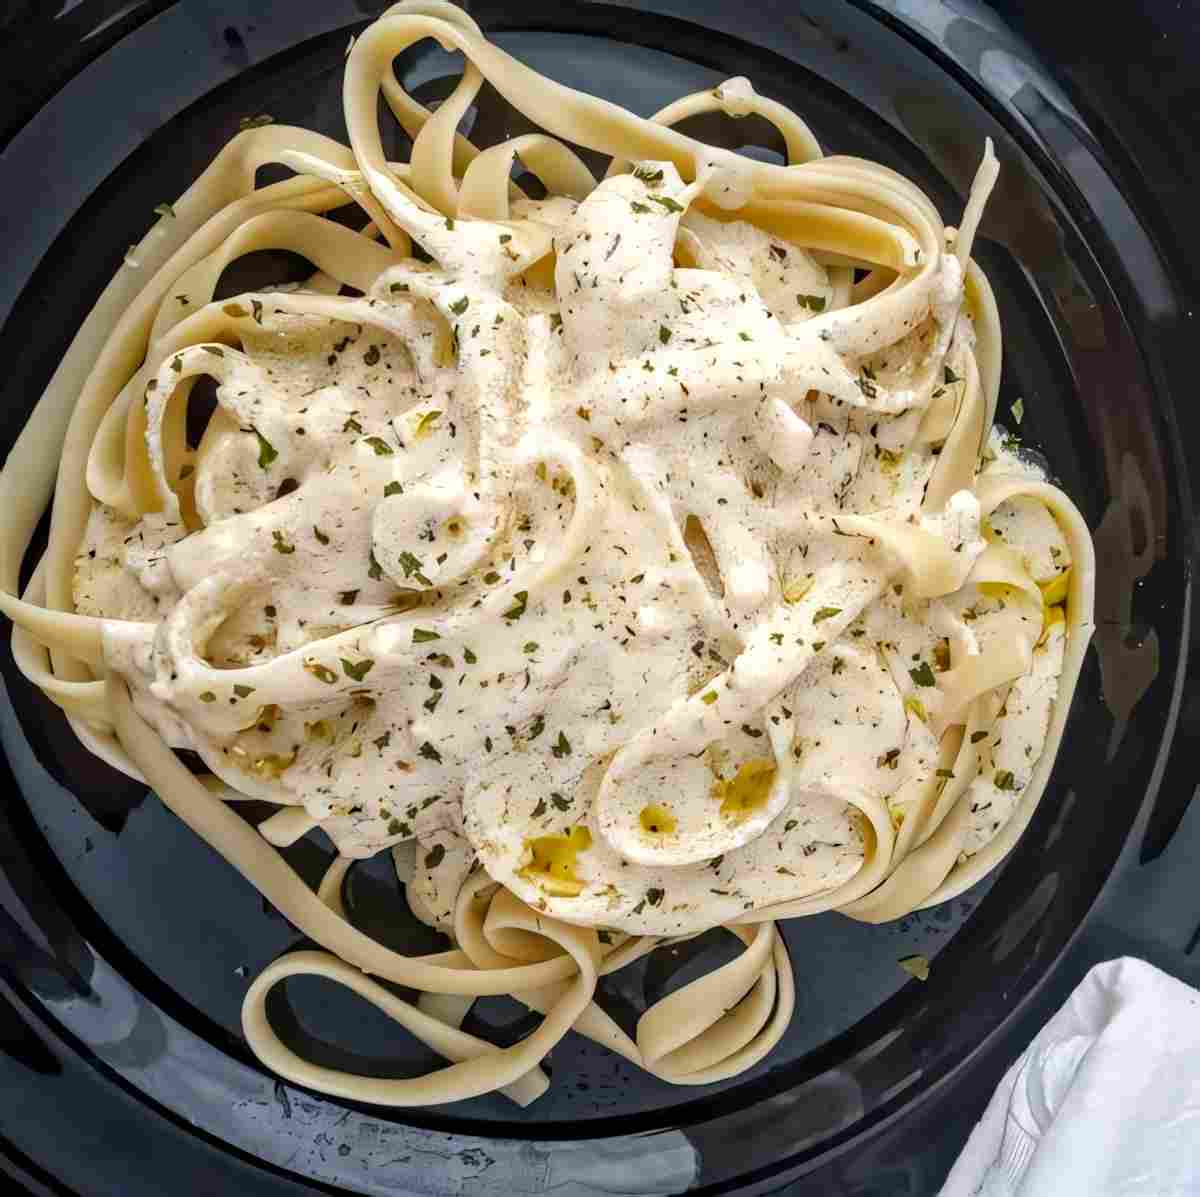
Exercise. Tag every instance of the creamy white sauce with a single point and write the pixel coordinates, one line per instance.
(450, 537)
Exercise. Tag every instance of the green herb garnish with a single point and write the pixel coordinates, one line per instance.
(356, 671)
(922, 675)
(427, 422)
(321, 672)
(915, 966)
(518, 608)
(266, 451)
(667, 202)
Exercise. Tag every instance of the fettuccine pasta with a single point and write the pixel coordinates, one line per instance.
(630, 562)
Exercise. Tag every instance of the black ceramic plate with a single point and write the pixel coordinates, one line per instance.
(128, 944)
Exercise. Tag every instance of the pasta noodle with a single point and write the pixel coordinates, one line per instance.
(633, 562)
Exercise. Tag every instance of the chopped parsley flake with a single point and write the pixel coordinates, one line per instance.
(356, 671)
(427, 422)
(267, 452)
(922, 675)
(667, 202)
(518, 608)
(321, 672)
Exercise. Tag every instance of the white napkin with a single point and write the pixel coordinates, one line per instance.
(1104, 1103)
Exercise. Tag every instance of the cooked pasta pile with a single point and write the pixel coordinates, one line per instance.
(629, 562)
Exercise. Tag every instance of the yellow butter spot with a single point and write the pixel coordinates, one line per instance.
(658, 820)
(748, 789)
(273, 765)
(1055, 591)
(1051, 616)
(997, 590)
(554, 861)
